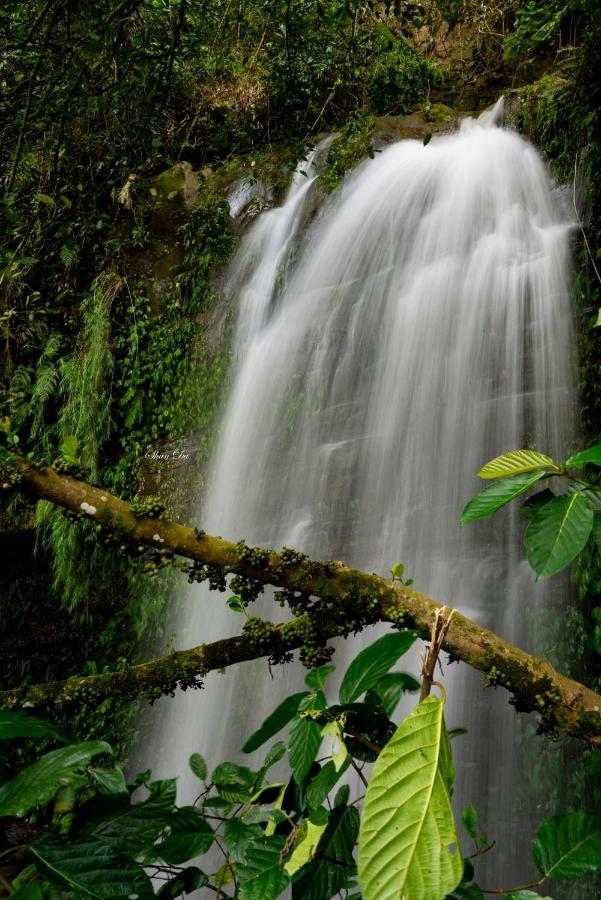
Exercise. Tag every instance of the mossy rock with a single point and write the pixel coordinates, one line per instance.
(417, 125)
(176, 187)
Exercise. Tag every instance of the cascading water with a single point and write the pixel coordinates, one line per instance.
(420, 327)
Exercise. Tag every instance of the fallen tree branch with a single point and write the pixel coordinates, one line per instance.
(349, 599)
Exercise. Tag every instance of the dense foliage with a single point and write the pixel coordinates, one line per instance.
(70, 822)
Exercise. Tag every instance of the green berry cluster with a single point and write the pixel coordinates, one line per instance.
(545, 702)
(398, 617)
(495, 677)
(288, 558)
(214, 575)
(68, 467)
(148, 507)
(9, 478)
(259, 632)
(248, 589)
(253, 556)
(314, 651)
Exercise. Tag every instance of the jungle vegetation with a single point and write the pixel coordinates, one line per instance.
(122, 124)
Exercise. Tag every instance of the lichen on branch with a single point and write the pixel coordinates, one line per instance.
(328, 599)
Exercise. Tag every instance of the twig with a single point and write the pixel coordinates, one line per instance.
(440, 627)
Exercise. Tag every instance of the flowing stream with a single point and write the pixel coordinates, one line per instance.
(416, 326)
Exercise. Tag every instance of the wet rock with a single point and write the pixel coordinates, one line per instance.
(417, 125)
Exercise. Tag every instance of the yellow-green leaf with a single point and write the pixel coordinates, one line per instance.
(408, 844)
(517, 461)
(304, 851)
(338, 747)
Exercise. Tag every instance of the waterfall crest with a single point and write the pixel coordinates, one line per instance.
(418, 326)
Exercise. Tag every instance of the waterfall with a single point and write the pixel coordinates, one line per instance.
(386, 347)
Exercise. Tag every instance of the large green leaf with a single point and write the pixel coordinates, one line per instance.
(569, 846)
(334, 865)
(132, 829)
(109, 781)
(259, 874)
(408, 844)
(497, 494)
(238, 836)
(190, 835)
(276, 721)
(557, 533)
(303, 744)
(390, 688)
(305, 846)
(91, 868)
(324, 782)
(371, 664)
(592, 455)
(37, 784)
(517, 461)
(14, 723)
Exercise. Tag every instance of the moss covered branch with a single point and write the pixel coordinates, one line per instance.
(348, 600)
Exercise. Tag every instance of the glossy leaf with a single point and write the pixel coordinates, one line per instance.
(579, 460)
(304, 742)
(342, 795)
(498, 494)
(109, 781)
(408, 844)
(568, 846)
(235, 604)
(91, 868)
(238, 836)
(324, 782)
(557, 533)
(273, 755)
(232, 773)
(316, 678)
(517, 461)
(391, 687)
(37, 784)
(14, 723)
(259, 874)
(261, 814)
(190, 836)
(371, 664)
(133, 829)
(283, 714)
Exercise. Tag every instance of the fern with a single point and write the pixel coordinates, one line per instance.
(86, 378)
(85, 386)
(44, 388)
(68, 255)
